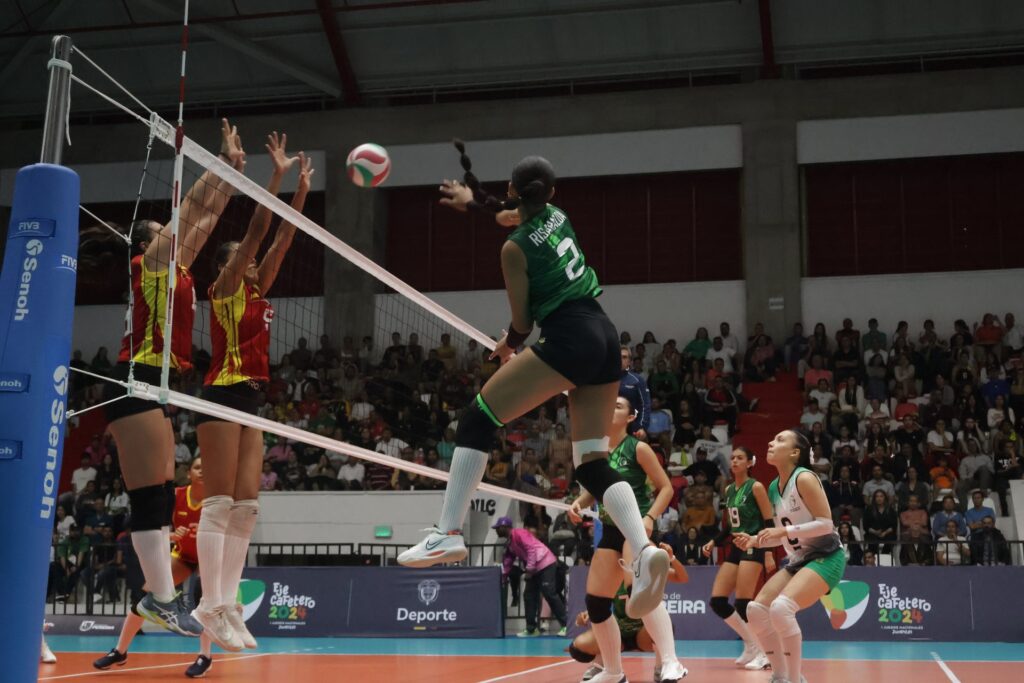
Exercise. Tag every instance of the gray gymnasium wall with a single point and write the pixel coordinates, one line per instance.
(768, 113)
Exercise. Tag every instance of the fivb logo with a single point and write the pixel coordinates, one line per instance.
(60, 388)
(846, 604)
(33, 248)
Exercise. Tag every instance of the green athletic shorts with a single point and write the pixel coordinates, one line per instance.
(831, 567)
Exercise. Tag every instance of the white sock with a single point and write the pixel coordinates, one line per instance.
(241, 522)
(204, 644)
(154, 553)
(131, 626)
(760, 621)
(736, 623)
(620, 502)
(466, 473)
(659, 626)
(783, 614)
(609, 641)
(210, 544)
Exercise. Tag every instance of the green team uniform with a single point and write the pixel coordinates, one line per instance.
(822, 554)
(623, 460)
(627, 625)
(555, 264)
(744, 515)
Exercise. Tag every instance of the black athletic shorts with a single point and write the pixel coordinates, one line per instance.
(612, 539)
(243, 396)
(126, 407)
(580, 343)
(749, 555)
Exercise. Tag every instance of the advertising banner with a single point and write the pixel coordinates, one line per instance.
(372, 602)
(872, 604)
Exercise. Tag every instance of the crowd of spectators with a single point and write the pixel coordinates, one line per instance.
(912, 432)
(902, 427)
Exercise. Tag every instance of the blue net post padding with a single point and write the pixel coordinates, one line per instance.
(37, 300)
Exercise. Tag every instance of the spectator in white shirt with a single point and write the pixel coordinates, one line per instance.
(361, 409)
(951, 548)
(729, 340)
(811, 415)
(182, 454)
(876, 350)
(1013, 338)
(718, 350)
(351, 473)
(83, 474)
(668, 520)
(389, 445)
(823, 394)
(940, 440)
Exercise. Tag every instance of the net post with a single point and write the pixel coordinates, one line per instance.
(58, 101)
(37, 298)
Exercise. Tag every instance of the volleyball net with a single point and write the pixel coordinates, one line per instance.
(405, 364)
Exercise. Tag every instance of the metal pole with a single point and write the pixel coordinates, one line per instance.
(58, 101)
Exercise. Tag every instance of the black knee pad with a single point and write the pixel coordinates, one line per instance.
(149, 508)
(599, 609)
(579, 655)
(171, 500)
(597, 476)
(720, 606)
(477, 425)
(741, 608)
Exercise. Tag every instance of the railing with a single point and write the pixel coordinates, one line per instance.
(82, 600)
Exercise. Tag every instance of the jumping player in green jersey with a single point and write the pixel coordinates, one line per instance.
(803, 526)
(637, 464)
(747, 507)
(549, 283)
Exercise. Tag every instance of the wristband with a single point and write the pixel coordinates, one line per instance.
(514, 339)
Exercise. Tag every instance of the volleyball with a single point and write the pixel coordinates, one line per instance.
(368, 165)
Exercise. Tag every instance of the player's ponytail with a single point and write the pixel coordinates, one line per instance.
(482, 199)
(103, 249)
(533, 178)
(802, 446)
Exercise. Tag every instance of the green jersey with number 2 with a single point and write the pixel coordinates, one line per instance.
(554, 262)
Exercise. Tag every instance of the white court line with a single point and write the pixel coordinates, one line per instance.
(528, 671)
(112, 670)
(945, 669)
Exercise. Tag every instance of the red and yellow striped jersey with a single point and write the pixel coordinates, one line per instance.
(240, 328)
(186, 514)
(145, 341)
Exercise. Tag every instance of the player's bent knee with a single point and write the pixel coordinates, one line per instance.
(720, 606)
(783, 615)
(741, 607)
(579, 655)
(597, 476)
(149, 508)
(599, 608)
(477, 426)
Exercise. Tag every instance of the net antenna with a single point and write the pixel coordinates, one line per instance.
(172, 264)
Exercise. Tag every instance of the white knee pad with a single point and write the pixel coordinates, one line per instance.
(581, 448)
(759, 618)
(242, 518)
(783, 613)
(216, 511)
